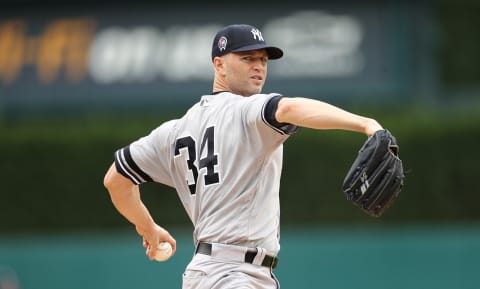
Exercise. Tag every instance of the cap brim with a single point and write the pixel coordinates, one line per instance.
(272, 51)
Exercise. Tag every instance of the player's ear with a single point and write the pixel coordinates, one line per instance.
(219, 65)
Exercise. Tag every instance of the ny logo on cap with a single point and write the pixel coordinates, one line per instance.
(256, 33)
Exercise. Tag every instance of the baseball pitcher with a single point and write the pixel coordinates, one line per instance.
(224, 158)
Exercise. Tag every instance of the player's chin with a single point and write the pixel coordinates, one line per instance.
(256, 87)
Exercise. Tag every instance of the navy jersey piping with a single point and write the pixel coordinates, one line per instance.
(268, 116)
(126, 166)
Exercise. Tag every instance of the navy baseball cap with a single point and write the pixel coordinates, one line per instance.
(242, 37)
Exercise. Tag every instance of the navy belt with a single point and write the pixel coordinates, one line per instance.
(268, 261)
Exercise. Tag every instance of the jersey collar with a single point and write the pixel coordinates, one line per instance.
(218, 92)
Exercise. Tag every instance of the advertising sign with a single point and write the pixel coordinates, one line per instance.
(134, 54)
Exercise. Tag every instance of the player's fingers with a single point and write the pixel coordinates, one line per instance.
(145, 243)
(151, 251)
(173, 243)
(153, 238)
(166, 237)
(148, 252)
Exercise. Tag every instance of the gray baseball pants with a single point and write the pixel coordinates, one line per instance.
(225, 268)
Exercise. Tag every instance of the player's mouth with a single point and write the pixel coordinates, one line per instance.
(257, 79)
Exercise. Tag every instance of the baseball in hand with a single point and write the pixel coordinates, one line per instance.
(164, 251)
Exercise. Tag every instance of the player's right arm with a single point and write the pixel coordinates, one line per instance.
(317, 114)
(125, 196)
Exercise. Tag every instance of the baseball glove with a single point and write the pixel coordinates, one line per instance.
(376, 176)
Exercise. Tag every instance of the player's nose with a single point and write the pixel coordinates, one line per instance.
(259, 67)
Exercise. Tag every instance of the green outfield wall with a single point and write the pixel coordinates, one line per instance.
(420, 257)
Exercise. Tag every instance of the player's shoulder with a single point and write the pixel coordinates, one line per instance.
(165, 128)
(229, 96)
(234, 95)
(169, 123)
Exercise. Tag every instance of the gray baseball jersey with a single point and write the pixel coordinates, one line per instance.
(224, 158)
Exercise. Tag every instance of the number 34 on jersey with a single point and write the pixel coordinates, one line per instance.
(186, 149)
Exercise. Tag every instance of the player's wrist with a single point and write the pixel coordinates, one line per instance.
(146, 228)
(371, 126)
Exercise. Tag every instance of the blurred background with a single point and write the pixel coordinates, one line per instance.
(80, 79)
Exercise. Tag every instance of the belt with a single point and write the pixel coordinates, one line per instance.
(249, 257)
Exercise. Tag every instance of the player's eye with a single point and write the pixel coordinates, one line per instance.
(263, 60)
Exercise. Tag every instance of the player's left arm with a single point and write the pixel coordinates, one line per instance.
(317, 114)
(125, 196)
